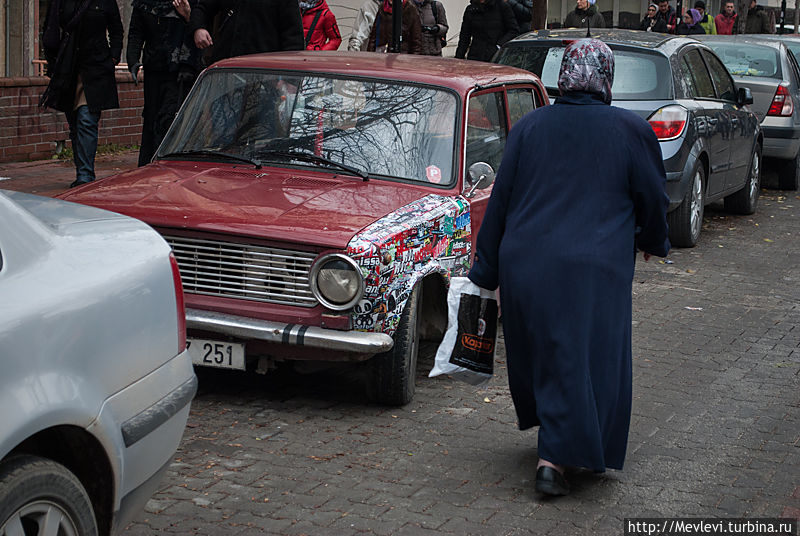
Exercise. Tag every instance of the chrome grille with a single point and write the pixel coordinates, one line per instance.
(243, 271)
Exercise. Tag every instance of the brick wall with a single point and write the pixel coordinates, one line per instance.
(28, 132)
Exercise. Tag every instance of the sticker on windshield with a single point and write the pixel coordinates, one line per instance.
(434, 174)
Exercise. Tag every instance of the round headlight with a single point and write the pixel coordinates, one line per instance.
(336, 282)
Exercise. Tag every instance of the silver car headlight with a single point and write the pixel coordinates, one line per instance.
(336, 281)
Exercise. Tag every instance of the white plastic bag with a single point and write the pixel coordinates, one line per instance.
(467, 350)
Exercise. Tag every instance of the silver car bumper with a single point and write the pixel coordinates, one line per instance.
(361, 342)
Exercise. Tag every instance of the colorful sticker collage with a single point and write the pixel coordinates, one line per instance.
(430, 235)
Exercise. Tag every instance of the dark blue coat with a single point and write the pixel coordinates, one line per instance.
(577, 180)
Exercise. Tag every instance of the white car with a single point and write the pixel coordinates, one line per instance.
(96, 382)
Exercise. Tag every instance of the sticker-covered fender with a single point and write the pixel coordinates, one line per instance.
(429, 235)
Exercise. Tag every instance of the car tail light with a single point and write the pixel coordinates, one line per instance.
(669, 122)
(782, 104)
(181, 304)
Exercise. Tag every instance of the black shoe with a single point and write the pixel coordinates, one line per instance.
(550, 481)
(76, 183)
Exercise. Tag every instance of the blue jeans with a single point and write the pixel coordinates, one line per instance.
(83, 133)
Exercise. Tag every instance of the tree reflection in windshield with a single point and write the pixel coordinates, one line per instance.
(387, 128)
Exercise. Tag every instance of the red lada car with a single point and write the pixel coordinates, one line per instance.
(318, 203)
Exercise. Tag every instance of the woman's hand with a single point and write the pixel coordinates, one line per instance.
(202, 39)
(183, 8)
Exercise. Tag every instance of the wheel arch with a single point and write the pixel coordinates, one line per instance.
(706, 163)
(84, 456)
(433, 323)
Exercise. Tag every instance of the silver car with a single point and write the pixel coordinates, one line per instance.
(766, 65)
(96, 382)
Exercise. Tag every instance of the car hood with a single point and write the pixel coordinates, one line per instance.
(290, 205)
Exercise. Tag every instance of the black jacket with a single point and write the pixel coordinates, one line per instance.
(523, 10)
(484, 27)
(91, 50)
(580, 18)
(685, 29)
(656, 24)
(254, 26)
(165, 37)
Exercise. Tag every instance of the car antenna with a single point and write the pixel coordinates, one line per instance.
(588, 28)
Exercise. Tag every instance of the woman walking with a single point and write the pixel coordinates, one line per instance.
(559, 237)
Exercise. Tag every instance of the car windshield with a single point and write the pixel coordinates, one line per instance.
(637, 75)
(748, 60)
(381, 128)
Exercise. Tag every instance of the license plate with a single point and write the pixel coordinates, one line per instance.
(220, 354)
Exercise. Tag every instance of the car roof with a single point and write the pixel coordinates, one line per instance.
(665, 43)
(460, 75)
(745, 39)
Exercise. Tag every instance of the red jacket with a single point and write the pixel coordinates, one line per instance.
(326, 34)
(725, 25)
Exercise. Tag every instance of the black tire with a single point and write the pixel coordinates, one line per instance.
(745, 200)
(789, 174)
(33, 488)
(393, 373)
(686, 221)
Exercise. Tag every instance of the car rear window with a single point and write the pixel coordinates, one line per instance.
(637, 75)
(748, 60)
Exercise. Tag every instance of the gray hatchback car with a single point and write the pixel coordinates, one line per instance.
(710, 139)
(766, 65)
(96, 381)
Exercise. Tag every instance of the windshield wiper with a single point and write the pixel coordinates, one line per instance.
(315, 159)
(210, 152)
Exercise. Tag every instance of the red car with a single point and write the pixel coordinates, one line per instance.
(318, 203)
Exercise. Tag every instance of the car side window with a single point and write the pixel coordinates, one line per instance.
(722, 78)
(520, 102)
(486, 129)
(702, 87)
(795, 67)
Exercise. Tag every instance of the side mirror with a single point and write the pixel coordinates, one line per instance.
(479, 176)
(744, 96)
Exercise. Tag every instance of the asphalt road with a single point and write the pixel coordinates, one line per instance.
(715, 429)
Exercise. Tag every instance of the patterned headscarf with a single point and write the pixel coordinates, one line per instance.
(305, 5)
(696, 16)
(587, 65)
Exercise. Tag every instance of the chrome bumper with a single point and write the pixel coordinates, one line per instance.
(361, 342)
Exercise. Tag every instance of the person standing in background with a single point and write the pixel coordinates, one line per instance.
(652, 22)
(82, 42)
(411, 35)
(434, 26)
(247, 26)
(667, 14)
(757, 20)
(159, 33)
(319, 26)
(725, 22)
(563, 254)
(486, 25)
(705, 19)
(690, 24)
(363, 25)
(584, 15)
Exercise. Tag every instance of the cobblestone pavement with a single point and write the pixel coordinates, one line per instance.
(715, 429)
